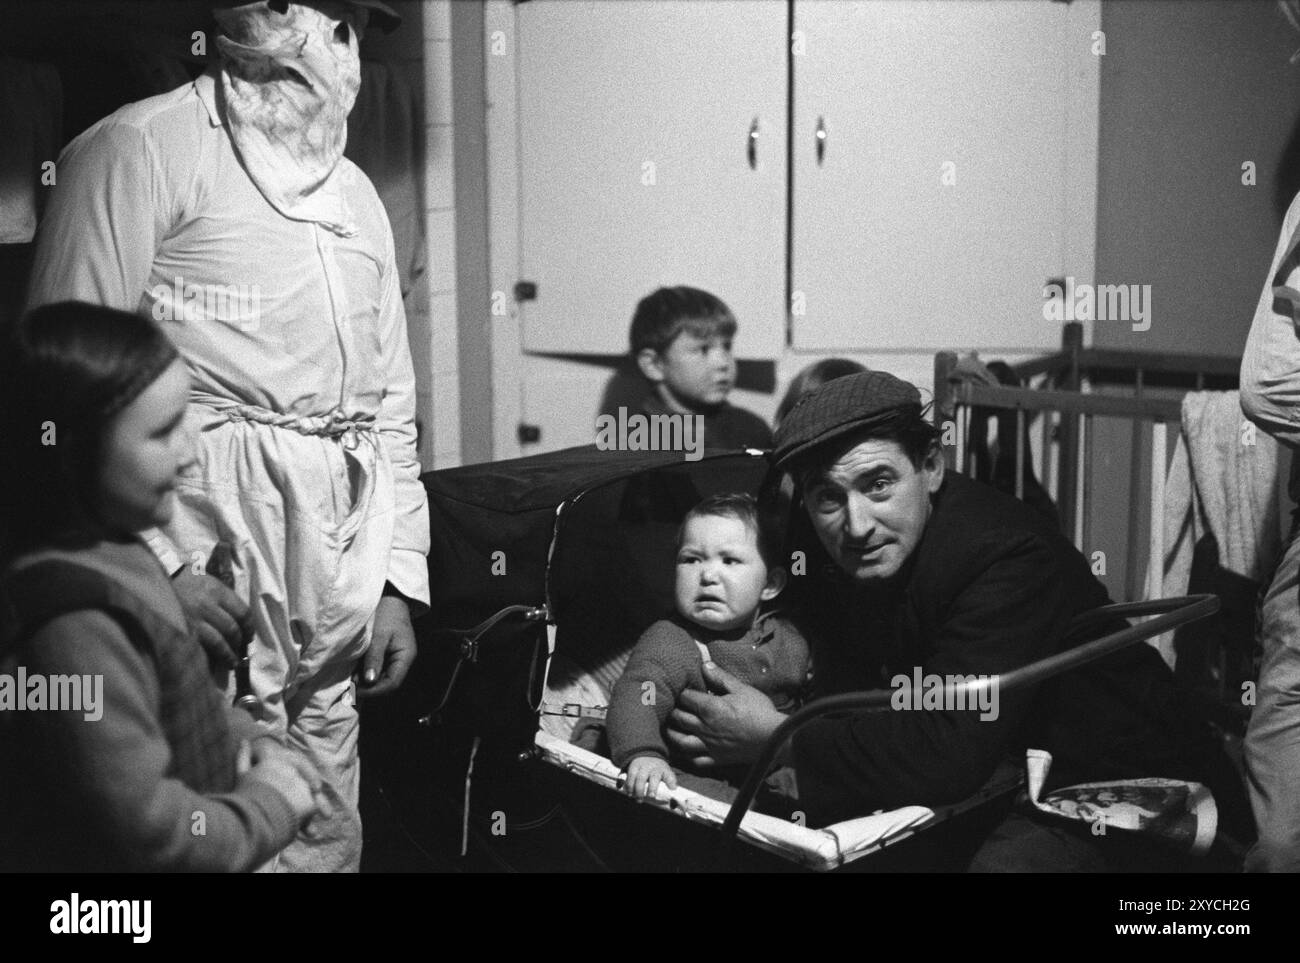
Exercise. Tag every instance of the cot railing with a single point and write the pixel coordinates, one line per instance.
(1068, 408)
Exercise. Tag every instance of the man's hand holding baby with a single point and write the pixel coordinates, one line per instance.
(288, 773)
(725, 729)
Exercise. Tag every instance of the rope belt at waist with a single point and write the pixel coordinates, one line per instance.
(334, 425)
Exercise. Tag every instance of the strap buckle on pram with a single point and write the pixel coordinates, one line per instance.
(573, 710)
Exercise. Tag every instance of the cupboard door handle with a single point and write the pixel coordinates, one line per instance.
(751, 147)
(821, 140)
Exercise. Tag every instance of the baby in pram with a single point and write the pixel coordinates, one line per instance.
(727, 574)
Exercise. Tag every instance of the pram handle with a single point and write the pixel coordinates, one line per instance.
(1169, 614)
(469, 642)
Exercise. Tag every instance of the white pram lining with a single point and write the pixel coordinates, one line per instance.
(572, 693)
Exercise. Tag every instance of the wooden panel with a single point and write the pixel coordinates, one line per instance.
(886, 254)
(606, 89)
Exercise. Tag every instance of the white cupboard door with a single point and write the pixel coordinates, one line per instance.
(935, 213)
(635, 123)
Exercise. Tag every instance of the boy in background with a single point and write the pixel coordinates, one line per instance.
(681, 343)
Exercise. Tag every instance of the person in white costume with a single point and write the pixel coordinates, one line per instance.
(226, 211)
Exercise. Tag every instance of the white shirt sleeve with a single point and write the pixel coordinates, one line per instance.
(407, 564)
(1270, 365)
(100, 234)
(105, 221)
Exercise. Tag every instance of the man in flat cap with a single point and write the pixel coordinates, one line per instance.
(916, 571)
(226, 211)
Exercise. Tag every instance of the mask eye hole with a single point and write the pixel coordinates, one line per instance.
(341, 33)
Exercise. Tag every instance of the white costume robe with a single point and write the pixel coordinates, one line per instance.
(302, 404)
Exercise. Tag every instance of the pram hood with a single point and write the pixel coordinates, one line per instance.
(590, 534)
(502, 531)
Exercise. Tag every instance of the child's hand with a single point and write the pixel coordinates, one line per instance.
(289, 774)
(644, 774)
(221, 620)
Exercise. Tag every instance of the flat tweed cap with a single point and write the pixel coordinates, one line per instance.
(840, 407)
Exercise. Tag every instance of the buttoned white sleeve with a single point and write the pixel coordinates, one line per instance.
(1270, 365)
(104, 223)
(110, 211)
(407, 565)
